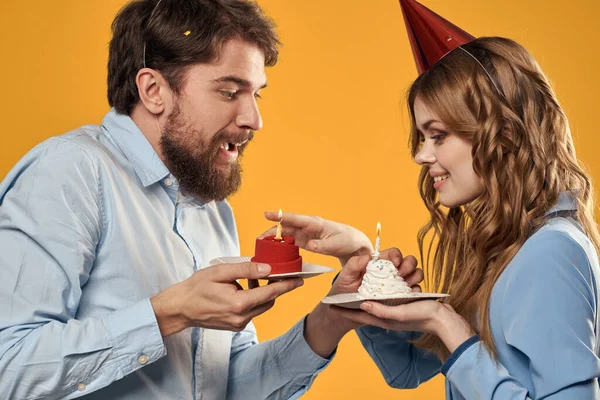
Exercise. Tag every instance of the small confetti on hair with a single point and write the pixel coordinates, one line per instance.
(186, 33)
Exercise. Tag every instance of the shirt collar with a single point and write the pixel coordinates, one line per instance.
(567, 201)
(129, 138)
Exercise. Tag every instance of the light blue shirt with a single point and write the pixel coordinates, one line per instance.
(544, 319)
(91, 226)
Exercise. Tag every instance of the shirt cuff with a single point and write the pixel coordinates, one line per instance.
(300, 358)
(135, 336)
(304, 359)
(458, 352)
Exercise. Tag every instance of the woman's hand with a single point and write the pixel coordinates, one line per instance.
(322, 236)
(422, 316)
(428, 316)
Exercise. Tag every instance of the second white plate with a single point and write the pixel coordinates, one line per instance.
(353, 300)
(308, 270)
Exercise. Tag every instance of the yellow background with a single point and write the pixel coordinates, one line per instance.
(334, 141)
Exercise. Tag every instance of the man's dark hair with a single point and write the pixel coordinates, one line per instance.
(172, 35)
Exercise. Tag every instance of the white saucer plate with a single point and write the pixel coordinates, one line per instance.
(354, 300)
(308, 270)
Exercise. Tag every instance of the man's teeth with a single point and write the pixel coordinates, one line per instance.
(230, 146)
(441, 178)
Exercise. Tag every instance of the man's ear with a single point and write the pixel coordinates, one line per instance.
(153, 90)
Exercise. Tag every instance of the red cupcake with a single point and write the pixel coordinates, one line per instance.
(282, 255)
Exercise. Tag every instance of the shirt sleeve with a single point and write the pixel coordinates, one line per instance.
(401, 363)
(282, 368)
(549, 314)
(50, 225)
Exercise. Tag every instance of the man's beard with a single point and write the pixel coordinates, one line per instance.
(192, 162)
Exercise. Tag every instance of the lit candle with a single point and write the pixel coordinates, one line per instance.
(376, 253)
(278, 234)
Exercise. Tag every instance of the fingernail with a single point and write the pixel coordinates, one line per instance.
(366, 307)
(264, 268)
(300, 283)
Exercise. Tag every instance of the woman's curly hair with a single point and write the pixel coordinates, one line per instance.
(522, 151)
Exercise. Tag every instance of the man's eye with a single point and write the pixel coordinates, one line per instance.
(229, 95)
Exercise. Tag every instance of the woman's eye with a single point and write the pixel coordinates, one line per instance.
(439, 137)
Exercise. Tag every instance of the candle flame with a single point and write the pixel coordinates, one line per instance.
(278, 234)
(375, 254)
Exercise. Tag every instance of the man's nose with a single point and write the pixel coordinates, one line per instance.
(249, 116)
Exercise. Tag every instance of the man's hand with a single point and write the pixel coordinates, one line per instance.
(326, 325)
(350, 278)
(423, 316)
(322, 236)
(211, 298)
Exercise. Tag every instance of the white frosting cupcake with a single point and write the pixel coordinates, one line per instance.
(382, 279)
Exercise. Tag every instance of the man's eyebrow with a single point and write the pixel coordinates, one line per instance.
(237, 80)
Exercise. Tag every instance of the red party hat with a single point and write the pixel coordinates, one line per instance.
(431, 36)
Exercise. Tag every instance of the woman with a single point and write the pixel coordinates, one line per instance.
(512, 232)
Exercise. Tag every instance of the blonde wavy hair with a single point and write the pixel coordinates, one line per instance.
(522, 150)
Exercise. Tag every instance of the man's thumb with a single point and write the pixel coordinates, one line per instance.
(247, 270)
(357, 264)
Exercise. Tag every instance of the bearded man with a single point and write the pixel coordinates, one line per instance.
(106, 232)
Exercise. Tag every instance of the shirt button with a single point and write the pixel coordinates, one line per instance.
(81, 387)
(143, 359)
(168, 181)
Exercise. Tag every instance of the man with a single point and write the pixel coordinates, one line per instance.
(106, 231)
